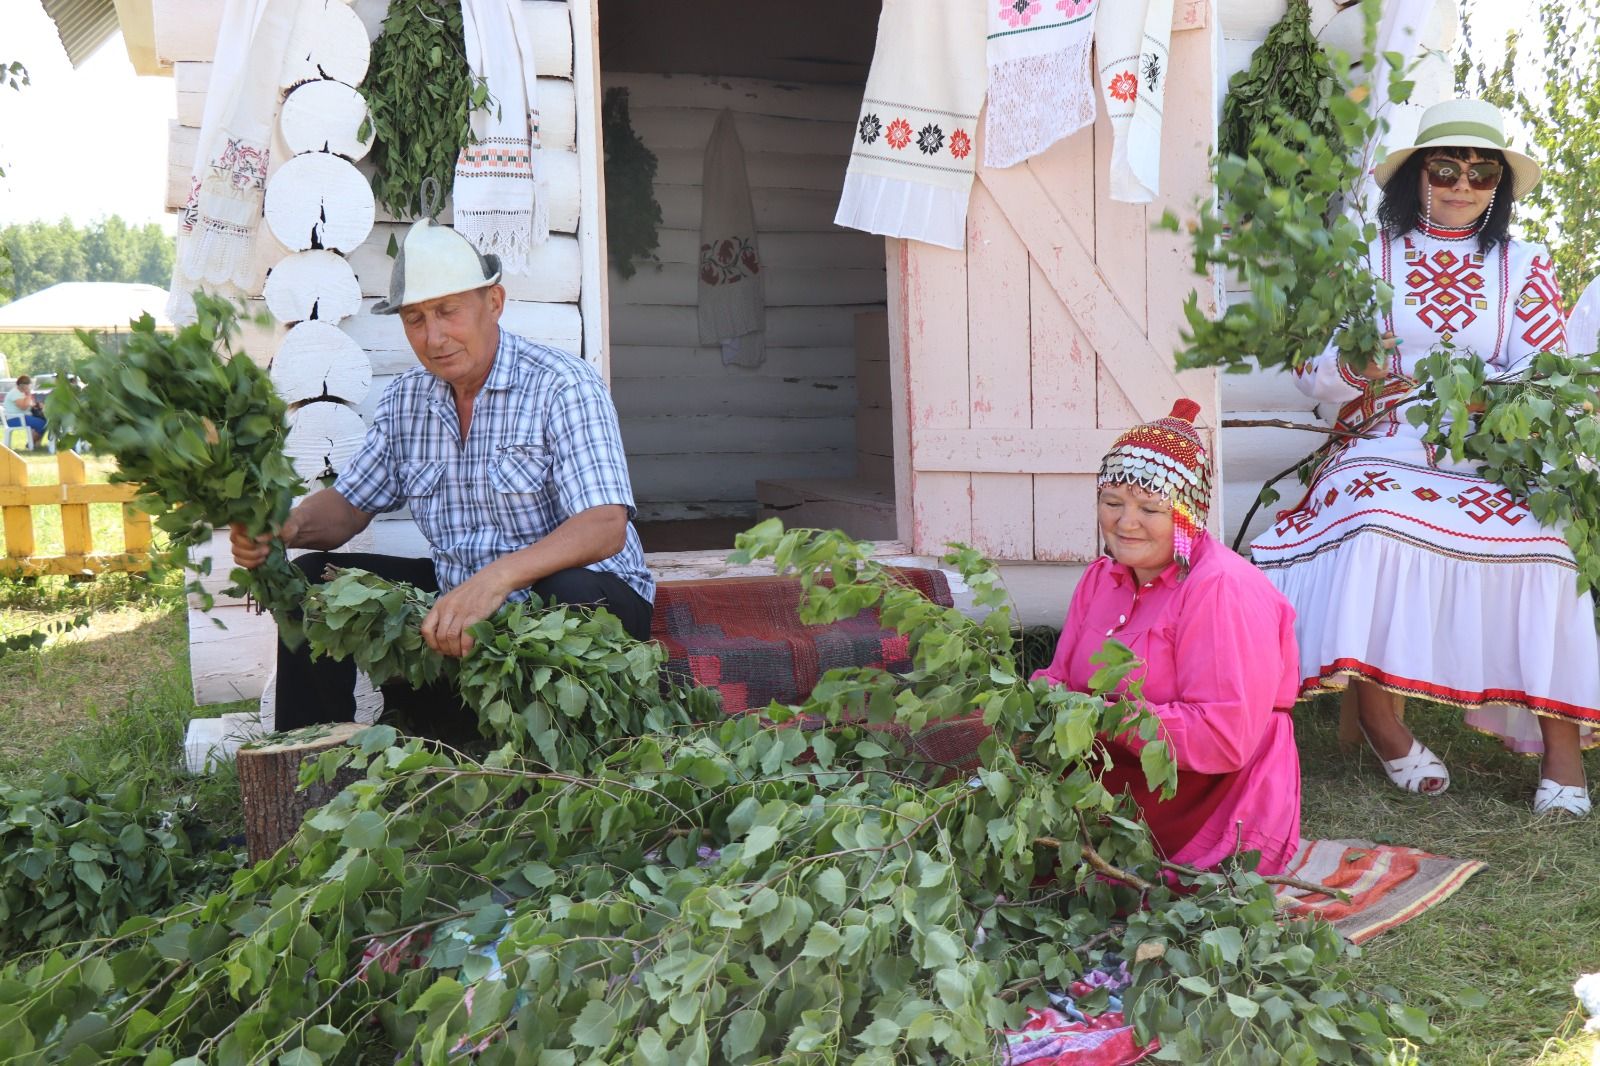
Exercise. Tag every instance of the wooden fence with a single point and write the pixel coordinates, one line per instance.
(73, 495)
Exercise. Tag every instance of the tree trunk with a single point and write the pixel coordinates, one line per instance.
(269, 776)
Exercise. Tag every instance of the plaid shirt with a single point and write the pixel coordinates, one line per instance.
(543, 446)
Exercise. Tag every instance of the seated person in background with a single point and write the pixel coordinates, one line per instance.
(1217, 643)
(22, 409)
(509, 456)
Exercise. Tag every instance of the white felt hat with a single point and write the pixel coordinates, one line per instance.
(435, 261)
(1464, 124)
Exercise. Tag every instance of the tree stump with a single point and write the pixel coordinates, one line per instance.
(269, 776)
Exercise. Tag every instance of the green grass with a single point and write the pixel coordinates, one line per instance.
(114, 692)
(1520, 932)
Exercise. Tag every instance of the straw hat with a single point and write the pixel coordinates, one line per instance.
(435, 261)
(1464, 124)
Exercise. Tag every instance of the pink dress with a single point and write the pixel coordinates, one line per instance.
(1221, 671)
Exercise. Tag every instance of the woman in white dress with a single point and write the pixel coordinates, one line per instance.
(1409, 574)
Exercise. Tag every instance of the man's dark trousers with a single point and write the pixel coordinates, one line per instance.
(323, 690)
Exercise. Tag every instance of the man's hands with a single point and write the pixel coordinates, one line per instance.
(251, 553)
(478, 597)
(1378, 368)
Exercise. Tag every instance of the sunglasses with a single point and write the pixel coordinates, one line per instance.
(1482, 175)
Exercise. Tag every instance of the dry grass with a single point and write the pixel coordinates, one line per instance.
(1519, 933)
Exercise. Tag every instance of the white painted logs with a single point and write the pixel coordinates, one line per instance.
(318, 200)
(323, 434)
(320, 361)
(325, 116)
(316, 285)
(328, 42)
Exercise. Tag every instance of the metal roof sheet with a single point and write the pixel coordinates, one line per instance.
(82, 25)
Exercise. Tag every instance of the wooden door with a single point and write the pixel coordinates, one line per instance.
(1023, 357)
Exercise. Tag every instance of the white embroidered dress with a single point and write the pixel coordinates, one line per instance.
(1409, 570)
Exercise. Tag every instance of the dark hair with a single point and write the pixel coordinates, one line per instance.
(1400, 210)
(23, 379)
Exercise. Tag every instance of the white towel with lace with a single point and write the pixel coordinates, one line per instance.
(1041, 87)
(217, 226)
(1131, 38)
(501, 200)
(910, 172)
(733, 286)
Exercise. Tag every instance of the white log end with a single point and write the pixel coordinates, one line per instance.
(325, 116)
(328, 41)
(319, 201)
(318, 360)
(316, 284)
(323, 434)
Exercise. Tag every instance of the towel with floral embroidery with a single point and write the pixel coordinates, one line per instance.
(733, 290)
(1041, 88)
(218, 223)
(1131, 38)
(910, 172)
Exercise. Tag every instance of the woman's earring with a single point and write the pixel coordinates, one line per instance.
(1483, 220)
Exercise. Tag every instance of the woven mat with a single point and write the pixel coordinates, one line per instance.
(744, 638)
(1388, 885)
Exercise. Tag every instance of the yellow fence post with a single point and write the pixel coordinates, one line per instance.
(76, 539)
(17, 516)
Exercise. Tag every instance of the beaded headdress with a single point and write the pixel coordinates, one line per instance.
(1166, 458)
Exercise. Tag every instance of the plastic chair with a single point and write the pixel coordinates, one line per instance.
(16, 425)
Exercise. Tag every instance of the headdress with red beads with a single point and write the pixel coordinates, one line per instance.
(1166, 458)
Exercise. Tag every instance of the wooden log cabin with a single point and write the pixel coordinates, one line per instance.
(911, 394)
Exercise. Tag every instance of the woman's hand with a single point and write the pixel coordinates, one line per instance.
(1378, 369)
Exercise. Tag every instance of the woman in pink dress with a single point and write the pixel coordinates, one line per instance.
(1217, 643)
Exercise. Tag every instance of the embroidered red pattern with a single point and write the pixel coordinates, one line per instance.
(1480, 505)
(1539, 305)
(960, 144)
(1124, 86)
(1425, 494)
(1446, 288)
(898, 134)
(1370, 484)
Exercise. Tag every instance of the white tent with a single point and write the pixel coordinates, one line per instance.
(97, 306)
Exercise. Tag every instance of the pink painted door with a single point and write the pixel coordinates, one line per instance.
(1028, 353)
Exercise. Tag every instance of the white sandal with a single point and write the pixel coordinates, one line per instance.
(1552, 796)
(1414, 767)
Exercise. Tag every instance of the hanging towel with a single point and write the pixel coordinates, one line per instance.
(733, 290)
(500, 192)
(1041, 88)
(218, 223)
(910, 171)
(1131, 38)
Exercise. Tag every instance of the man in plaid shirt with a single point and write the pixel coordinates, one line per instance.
(509, 457)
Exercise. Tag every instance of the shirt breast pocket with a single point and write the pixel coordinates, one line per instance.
(520, 477)
(419, 480)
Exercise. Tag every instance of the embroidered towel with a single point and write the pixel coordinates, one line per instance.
(1040, 86)
(218, 223)
(733, 290)
(1131, 38)
(501, 203)
(910, 171)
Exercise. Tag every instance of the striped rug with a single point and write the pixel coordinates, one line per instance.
(1387, 885)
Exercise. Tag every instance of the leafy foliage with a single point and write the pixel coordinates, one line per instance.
(201, 437)
(1537, 436)
(76, 861)
(1289, 74)
(719, 890)
(632, 213)
(1277, 228)
(420, 95)
(1553, 90)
